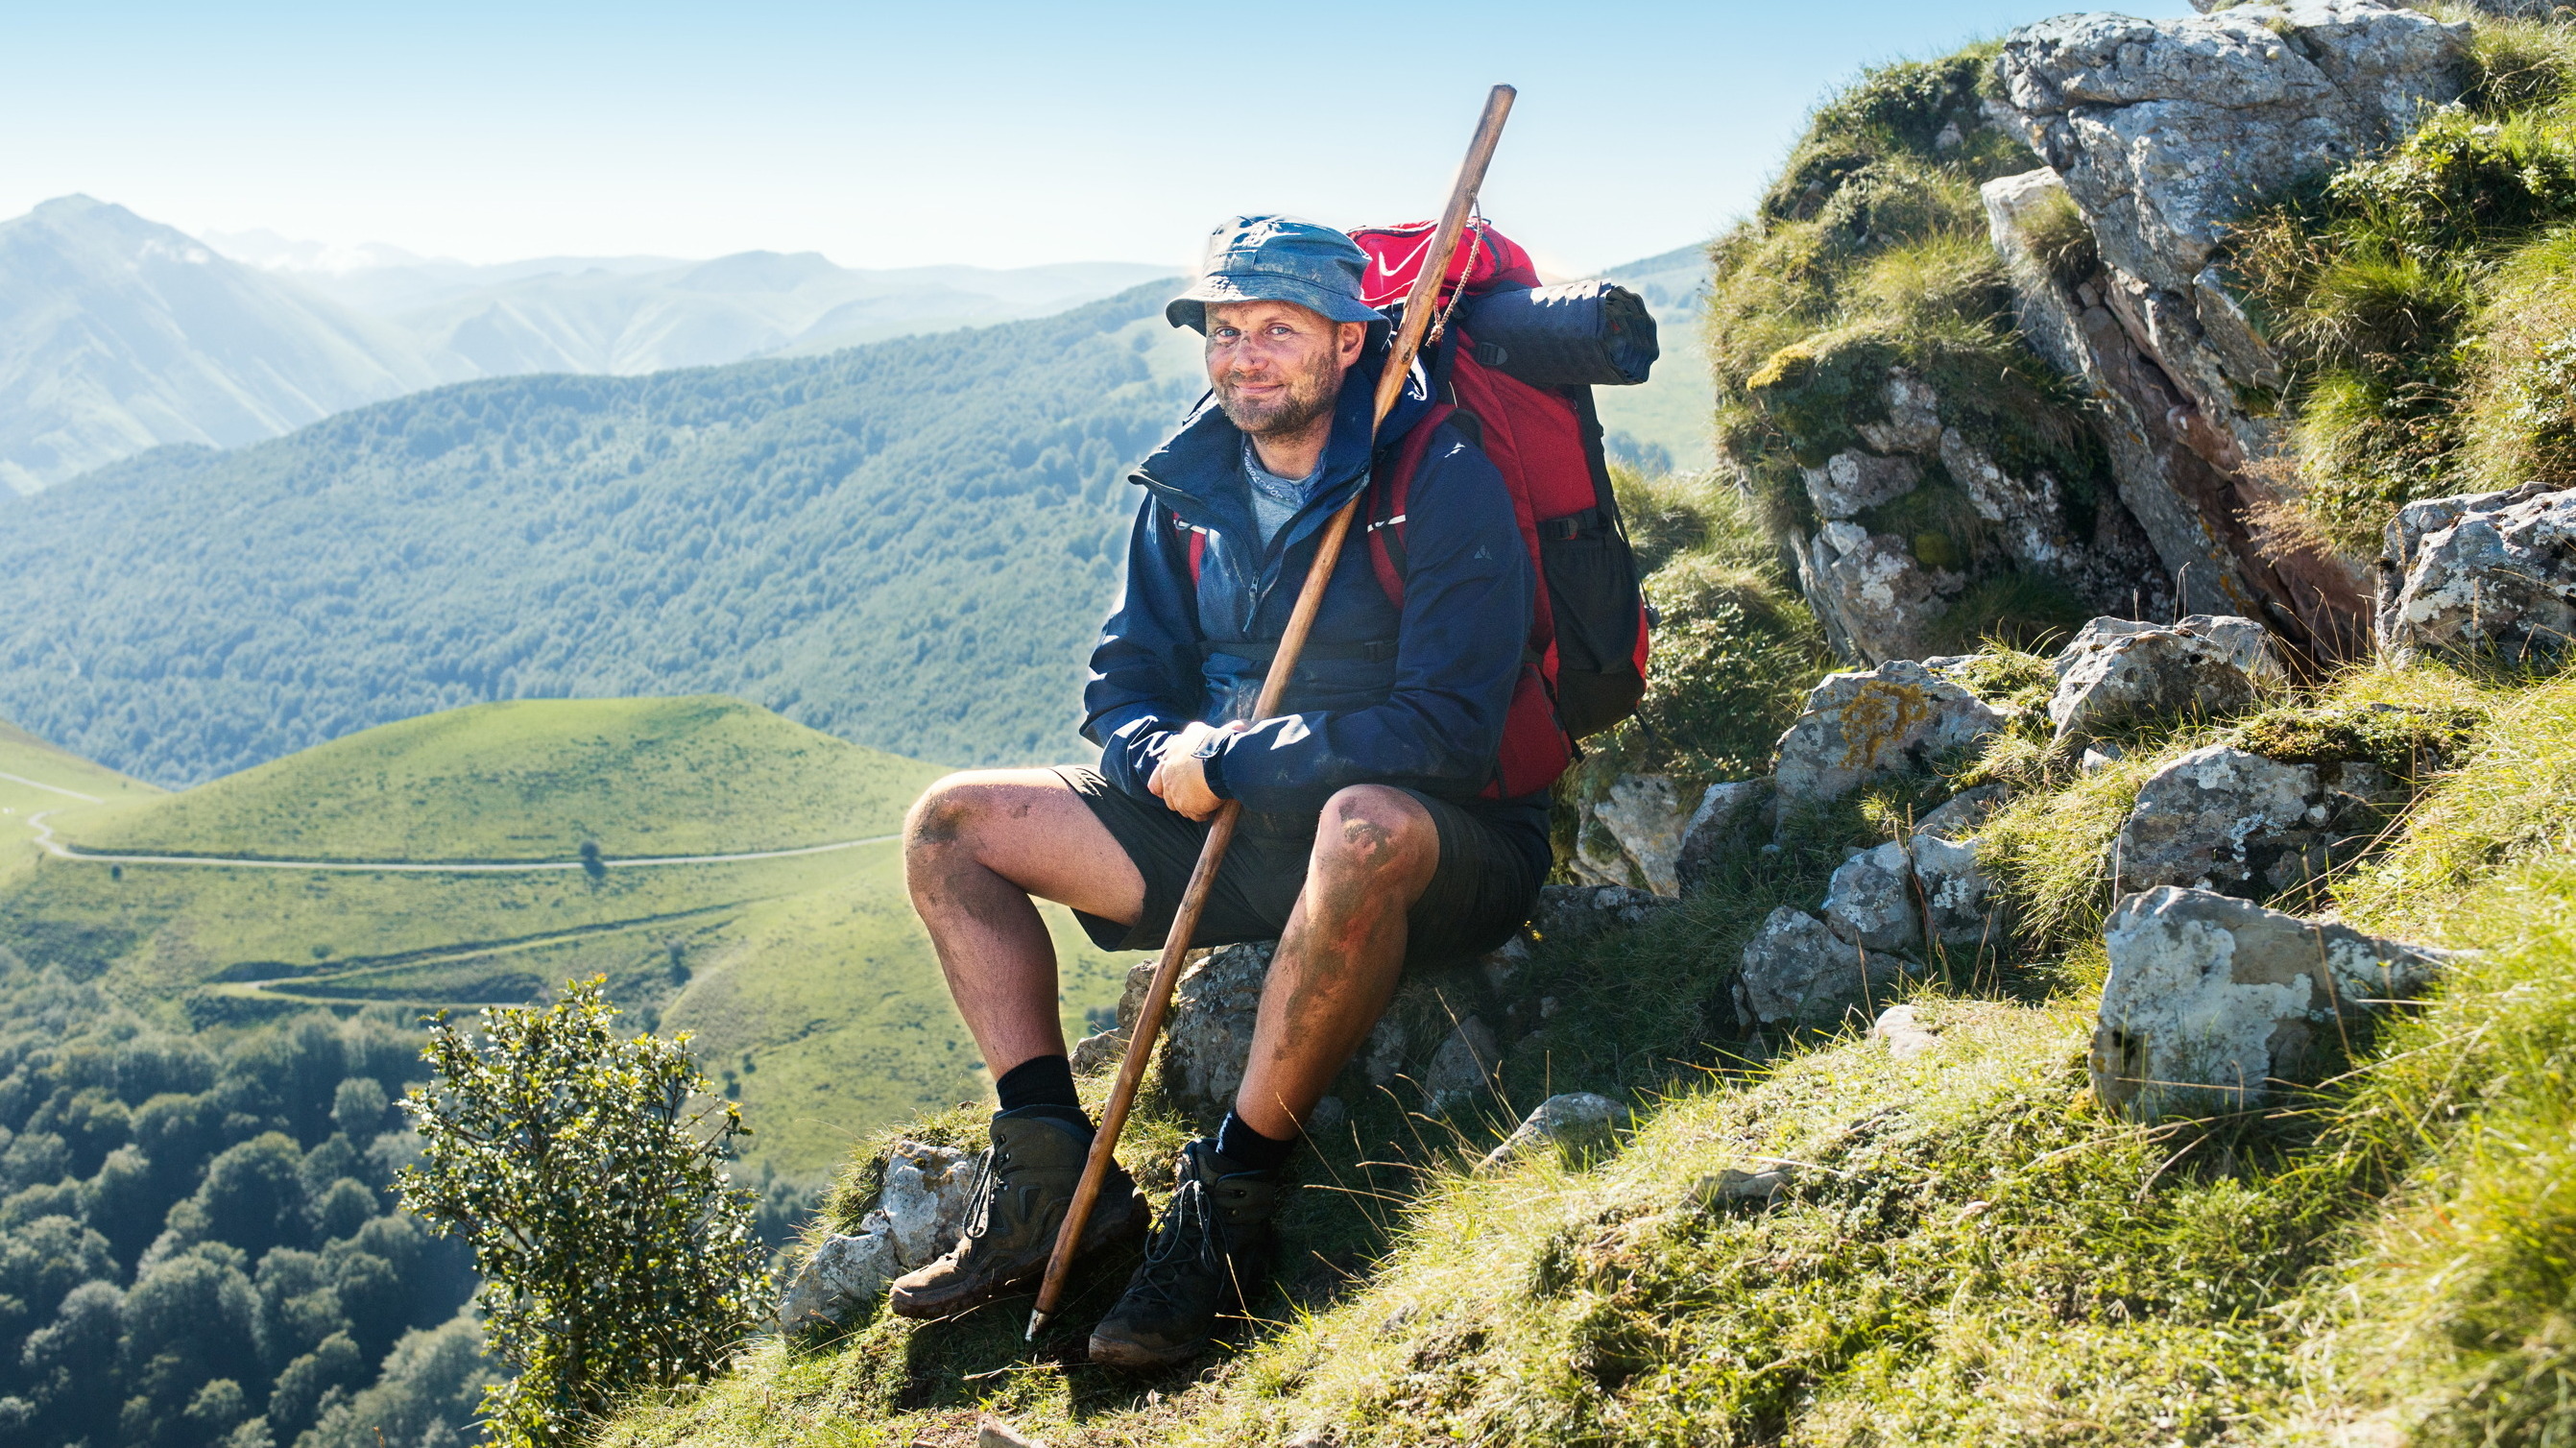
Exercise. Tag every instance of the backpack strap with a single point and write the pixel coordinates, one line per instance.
(1391, 489)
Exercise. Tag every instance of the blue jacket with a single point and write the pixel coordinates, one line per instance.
(1415, 700)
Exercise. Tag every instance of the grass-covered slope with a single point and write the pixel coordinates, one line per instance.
(537, 780)
(908, 545)
(1967, 1249)
(812, 992)
(1869, 251)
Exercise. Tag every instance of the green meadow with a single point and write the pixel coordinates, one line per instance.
(811, 993)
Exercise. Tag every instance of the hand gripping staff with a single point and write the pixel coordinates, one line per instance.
(1419, 306)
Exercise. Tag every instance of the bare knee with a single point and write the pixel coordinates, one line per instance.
(947, 815)
(1375, 831)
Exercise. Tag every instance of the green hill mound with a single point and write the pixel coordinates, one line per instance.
(537, 780)
(810, 988)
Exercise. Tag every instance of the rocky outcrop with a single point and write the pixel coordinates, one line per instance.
(1881, 595)
(920, 1213)
(2118, 671)
(2487, 573)
(2213, 1002)
(1959, 903)
(1462, 1069)
(1858, 727)
(2223, 819)
(2158, 133)
(1796, 972)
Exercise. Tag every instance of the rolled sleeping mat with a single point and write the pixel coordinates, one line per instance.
(1590, 334)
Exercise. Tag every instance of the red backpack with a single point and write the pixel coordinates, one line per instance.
(1588, 634)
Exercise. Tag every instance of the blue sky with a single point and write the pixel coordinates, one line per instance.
(942, 130)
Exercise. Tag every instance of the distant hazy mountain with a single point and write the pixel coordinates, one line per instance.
(636, 314)
(118, 334)
(909, 544)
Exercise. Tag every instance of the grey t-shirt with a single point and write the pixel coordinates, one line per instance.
(1274, 499)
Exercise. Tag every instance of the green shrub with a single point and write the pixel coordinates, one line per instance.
(588, 1178)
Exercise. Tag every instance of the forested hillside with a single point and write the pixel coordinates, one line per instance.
(907, 544)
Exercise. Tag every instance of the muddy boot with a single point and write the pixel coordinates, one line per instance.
(1022, 1187)
(1209, 1254)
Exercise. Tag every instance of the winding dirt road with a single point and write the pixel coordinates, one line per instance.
(61, 851)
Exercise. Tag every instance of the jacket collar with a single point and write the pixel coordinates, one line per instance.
(1197, 470)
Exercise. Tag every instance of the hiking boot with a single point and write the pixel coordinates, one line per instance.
(1022, 1187)
(1210, 1252)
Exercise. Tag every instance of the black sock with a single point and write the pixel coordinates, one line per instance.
(1249, 1149)
(1044, 1083)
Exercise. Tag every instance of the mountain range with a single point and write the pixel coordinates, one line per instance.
(118, 333)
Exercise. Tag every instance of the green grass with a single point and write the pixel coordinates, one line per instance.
(812, 993)
(535, 780)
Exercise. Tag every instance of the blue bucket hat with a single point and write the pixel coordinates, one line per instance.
(1277, 259)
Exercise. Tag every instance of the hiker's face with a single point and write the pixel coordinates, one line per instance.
(1277, 366)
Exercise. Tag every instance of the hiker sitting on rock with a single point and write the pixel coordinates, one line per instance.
(1364, 843)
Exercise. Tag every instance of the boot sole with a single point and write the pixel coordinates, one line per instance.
(1111, 1352)
(1098, 1235)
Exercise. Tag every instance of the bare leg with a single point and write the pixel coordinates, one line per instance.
(1338, 961)
(976, 847)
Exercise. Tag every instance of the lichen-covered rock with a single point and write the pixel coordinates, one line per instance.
(1729, 819)
(1854, 480)
(2162, 129)
(843, 1278)
(1877, 602)
(1208, 1035)
(1575, 1123)
(1958, 900)
(2118, 671)
(1632, 834)
(2212, 1000)
(1795, 972)
(924, 1201)
(2483, 573)
(2223, 819)
(1577, 912)
(1462, 1070)
(1870, 901)
(1858, 727)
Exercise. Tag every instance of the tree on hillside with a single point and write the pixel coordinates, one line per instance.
(587, 1173)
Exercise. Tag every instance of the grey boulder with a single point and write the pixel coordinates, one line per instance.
(2221, 818)
(2213, 1002)
(920, 1214)
(1958, 899)
(1574, 1123)
(1208, 1036)
(2119, 671)
(2489, 572)
(1796, 972)
(1870, 901)
(1462, 1069)
(1632, 834)
(1869, 725)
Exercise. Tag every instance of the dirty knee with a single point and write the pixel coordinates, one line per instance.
(1374, 829)
(943, 815)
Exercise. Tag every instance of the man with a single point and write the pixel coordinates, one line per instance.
(1363, 845)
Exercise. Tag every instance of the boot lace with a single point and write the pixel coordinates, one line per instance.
(1187, 1244)
(981, 1194)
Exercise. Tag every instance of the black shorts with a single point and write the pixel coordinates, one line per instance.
(1482, 890)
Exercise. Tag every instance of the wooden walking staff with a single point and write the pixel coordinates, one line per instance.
(1419, 305)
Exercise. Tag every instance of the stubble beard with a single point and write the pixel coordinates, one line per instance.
(1309, 396)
